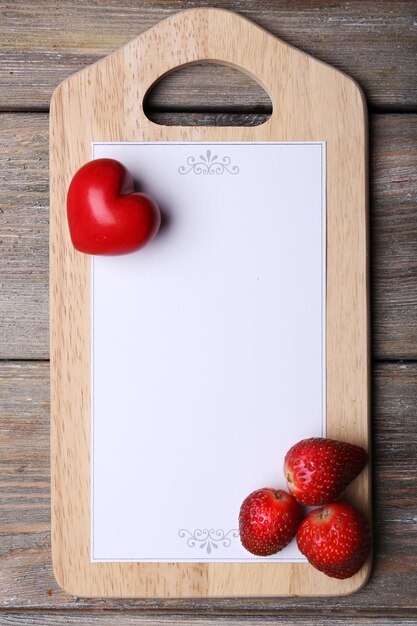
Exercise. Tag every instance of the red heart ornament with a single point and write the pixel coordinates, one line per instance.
(105, 216)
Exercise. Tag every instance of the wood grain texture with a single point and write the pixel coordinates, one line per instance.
(126, 619)
(394, 237)
(104, 102)
(24, 227)
(37, 50)
(373, 41)
(27, 580)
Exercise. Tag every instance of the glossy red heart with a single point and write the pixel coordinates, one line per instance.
(105, 216)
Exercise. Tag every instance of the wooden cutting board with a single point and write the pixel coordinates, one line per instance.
(104, 103)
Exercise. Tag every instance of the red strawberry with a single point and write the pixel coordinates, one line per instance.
(317, 470)
(335, 539)
(268, 520)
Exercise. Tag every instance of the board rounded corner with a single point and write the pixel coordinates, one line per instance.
(361, 579)
(64, 582)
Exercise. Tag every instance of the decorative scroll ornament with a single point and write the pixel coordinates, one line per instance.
(208, 163)
(208, 539)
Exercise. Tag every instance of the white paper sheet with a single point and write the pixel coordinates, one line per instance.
(208, 347)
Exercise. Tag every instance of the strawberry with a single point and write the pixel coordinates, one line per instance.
(335, 539)
(317, 470)
(268, 520)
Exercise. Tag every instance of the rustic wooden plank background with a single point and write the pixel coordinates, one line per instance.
(41, 43)
(132, 619)
(44, 42)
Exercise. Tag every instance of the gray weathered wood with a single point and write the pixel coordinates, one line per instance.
(375, 42)
(129, 619)
(24, 220)
(25, 561)
(24, 231)
(393, 230)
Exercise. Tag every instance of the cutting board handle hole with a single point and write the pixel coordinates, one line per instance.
(207, 94)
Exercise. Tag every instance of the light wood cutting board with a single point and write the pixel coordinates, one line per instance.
(311, 102)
